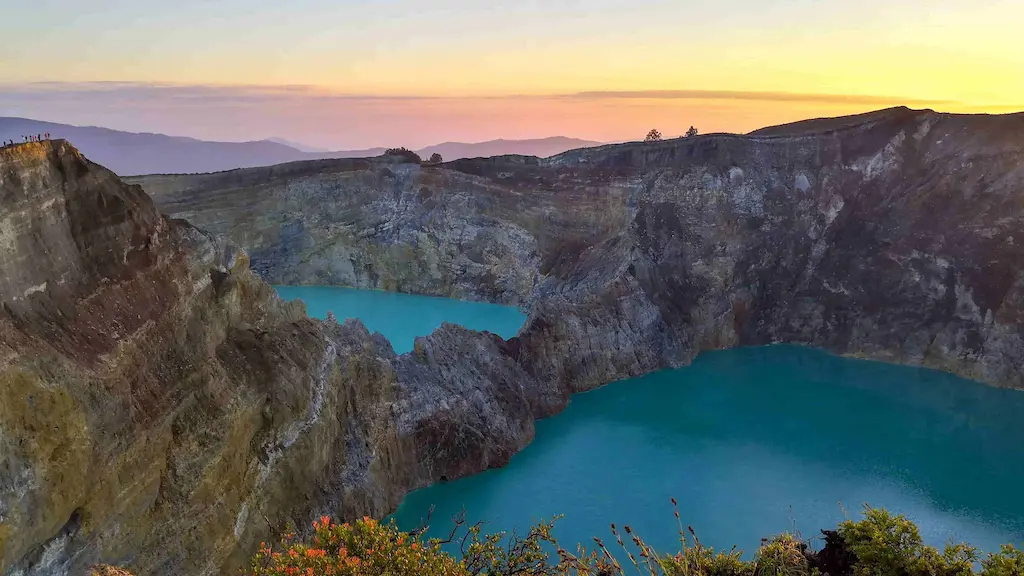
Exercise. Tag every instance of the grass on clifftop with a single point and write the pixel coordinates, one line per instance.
(879, 545)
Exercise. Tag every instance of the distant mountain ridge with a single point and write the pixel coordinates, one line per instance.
(540, 147)
(297, 145)
(131, 153)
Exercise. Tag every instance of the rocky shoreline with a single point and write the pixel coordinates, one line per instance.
(204, 414)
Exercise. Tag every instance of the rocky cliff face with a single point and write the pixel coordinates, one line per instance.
(161, 408)
(377, 224)
(895, 235)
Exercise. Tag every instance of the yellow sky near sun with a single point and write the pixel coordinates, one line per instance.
(968, 52)
(855, 55)
(975, 60)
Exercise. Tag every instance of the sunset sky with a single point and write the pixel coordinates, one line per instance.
(348, 74)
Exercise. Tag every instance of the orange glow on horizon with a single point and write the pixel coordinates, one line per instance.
(507, 70)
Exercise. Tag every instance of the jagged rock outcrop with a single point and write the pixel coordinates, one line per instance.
(895, 235)
(161, 409)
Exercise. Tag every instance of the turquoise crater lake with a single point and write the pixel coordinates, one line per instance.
(751, 442)
(403, 317)
(757, 441)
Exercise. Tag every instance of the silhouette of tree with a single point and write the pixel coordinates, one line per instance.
(405, 153)
(691, 132)
(435, 158)
(653, 136)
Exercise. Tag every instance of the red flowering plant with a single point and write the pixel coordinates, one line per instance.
(362, 548)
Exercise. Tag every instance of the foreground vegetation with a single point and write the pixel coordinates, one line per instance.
(878, 545)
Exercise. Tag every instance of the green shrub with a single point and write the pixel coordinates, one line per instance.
(784, 555)
(1009, 561)
(878, 545)
(364, 547)
(887, 545)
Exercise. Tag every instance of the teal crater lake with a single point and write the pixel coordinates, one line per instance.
(751, 442)
(757, 441)
(403, 317)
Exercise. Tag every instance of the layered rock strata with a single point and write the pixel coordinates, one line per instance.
(162, 409)
(896, 235)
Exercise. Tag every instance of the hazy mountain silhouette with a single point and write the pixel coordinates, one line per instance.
(542, 147)
(130, 153)
(297, 145)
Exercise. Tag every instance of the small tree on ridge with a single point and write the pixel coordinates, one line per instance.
(653, 136)
(406, 154)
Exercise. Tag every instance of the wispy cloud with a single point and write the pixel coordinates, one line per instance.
(328, 118)
(241, 94)
(190, 92)
(754, 95)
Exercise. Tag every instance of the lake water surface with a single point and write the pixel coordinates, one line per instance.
(757, 441)
(751, 442)
(403, 317)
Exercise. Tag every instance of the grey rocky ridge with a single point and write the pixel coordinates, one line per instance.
(162, 409)
(895, 235)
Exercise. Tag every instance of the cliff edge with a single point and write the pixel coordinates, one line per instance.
(896, 235)
(162, 409)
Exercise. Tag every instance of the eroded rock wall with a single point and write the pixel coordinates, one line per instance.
(162, 409)
(894, 235)
(400, 227)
